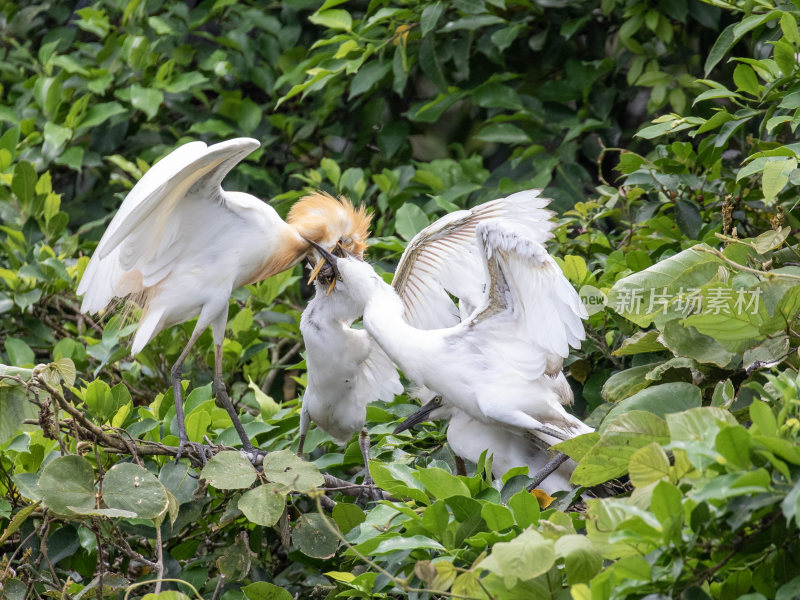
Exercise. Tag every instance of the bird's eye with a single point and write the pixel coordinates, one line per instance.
(347, 241)
(437, 399)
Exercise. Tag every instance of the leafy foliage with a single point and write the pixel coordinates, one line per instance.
(665, 136)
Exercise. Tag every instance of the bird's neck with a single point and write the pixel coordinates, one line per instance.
(383, 319)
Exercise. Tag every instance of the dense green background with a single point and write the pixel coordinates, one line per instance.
(664, 132)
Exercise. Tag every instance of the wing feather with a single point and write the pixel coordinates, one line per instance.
(143, 235)
(444, 259)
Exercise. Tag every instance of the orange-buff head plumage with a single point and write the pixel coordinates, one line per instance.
(328, 220)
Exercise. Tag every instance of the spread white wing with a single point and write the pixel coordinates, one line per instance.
(444, 259)
(144, 237)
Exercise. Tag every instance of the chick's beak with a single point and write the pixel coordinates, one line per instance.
(326, 257)
(422, 415)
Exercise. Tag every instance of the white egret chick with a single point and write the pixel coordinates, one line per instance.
(469, 438)
(346, 367)
(495, 364)
(180, 244)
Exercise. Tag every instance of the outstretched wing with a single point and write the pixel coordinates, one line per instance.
(531, 314)
(140, 242)
(444, 259)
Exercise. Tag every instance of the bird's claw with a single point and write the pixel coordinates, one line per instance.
(199, 449)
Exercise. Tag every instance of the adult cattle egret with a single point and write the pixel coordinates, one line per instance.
(180, 244)
(519, 317)
(469, 437)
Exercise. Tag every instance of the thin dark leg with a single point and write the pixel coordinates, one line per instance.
(177, 395)
(222, 396)
(545, 471)
(300, 445)
(363, 443)
(461, 468)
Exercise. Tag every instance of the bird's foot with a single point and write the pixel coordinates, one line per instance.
(185, 448)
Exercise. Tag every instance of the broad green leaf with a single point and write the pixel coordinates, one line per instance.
(19, 353)
(523, 558)
(410, 220)
(639, 343)
(229, 470)
(690, 343)
(659, 400)
(129, 487)
(347, 516)
(333, 19)
(286, 468)
(263, 505)
(775, 178)
(733, 443)
(441, 484)
(648, 464)
(262, 590)
(24, 182)
(430, 16)
(582, 561)
(745, 78)
(147, 100)
(503, 133)
(698, 424)
(762, 416)
(67, 481)
(17, 520)
(625, 383)
(269, 408)
(313, 534)
(658, 290)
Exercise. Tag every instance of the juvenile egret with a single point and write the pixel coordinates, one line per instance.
(519, 317)
(346, 370)
(469, 437)
(180, 244)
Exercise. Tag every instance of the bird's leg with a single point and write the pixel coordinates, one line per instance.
(461, 468)
(177, 368)
(222, 396)
(363, 443)
(300, 445)
(547, 470)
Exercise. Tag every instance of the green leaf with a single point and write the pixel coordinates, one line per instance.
(430, 16)
(655, 292)
(690, 343)
(24, 182)
(666, 501)
(313, 536)
(745, 79)
(269, 408)
(229, 470)
(697, 424)
(503, 133)
(762, 416)
(525, 507)
(19, 353)
(625, 383)
(263, 505)
(582, 561)
(67, 481)
(733, 443)
(333, 19)
(286, 468)
(146, 99)
(347, 516)
(262, 590)
(441, 484)
(659, 400)
(410, 220)
(648, 464)
(18, 520)
(640, 343)
(368, 76)
(523, 558)
(127, 486)
(775, 177)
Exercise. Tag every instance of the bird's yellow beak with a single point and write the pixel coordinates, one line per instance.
(321, 263)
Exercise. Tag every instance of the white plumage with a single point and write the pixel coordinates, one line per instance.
(496, 357)
(469, 438)
(180, 244)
